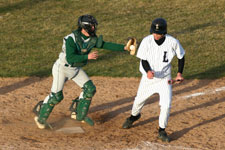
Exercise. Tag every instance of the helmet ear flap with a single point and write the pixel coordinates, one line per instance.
(151, 29)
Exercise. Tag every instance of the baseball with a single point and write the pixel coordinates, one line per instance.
(132, 47)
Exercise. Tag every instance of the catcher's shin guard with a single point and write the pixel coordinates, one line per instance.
(45, 111)
(43, 114)
(82, 110)
(46, 108)
(74, 112)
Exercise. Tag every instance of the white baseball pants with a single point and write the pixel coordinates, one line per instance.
(61, 74)
(147, 88)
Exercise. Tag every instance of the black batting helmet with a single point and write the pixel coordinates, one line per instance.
(86, 22)
(159, 26)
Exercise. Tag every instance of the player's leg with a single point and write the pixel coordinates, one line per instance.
(47, 107)
(84, 101)
(165, 93)
(80, 79)
(145, 90)
(54, 98)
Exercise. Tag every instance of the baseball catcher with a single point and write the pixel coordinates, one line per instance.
(76, 52)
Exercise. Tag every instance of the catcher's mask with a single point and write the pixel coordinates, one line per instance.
(159, 26)
(88, 23)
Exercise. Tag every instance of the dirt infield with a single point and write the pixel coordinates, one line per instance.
(197, 119)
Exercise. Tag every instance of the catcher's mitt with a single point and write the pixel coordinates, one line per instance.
(131, 45)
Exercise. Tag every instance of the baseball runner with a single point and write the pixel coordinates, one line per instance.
(76, 51)
(156, 52)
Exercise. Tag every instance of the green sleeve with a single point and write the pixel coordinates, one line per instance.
(112, 46)
(72, 55)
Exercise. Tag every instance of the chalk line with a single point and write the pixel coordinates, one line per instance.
(146, 145)
(208, 92)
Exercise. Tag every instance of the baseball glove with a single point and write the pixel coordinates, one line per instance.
(131, 45)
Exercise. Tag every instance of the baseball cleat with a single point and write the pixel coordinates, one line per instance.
(163, 136)
(40, 125)
(129, 121)
(73, 115)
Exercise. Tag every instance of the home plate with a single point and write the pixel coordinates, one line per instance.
(71, 130)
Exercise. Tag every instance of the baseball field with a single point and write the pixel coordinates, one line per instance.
(31, 34)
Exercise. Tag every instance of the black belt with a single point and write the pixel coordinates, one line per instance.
(68, 65)
(74, 65)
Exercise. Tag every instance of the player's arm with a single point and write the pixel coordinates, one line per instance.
(112, 46)
(72, 55)
(179, 76)
(181, 60)
(147, 68)
(146, 65)
(101, 44)
(181, 65)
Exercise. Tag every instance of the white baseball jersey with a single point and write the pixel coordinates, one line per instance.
(159, 58)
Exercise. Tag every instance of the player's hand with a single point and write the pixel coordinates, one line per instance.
(179, 78)
(93, 55)
(150, 74)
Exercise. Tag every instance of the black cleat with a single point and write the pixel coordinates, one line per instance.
(163, 136)
(129, 121)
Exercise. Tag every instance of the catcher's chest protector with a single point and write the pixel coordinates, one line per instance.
(84, 47)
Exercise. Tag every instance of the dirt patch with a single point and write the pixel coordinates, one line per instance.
(196, 122)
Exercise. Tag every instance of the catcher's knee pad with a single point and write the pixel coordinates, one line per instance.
(55, 98)
(82, 109)
(89, 90)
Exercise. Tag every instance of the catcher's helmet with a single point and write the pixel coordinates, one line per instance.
(159, 26)
(86, 22)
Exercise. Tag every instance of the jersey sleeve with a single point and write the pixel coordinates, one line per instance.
(112, 46)
(179, 50)
(72, 55)
(142, 50)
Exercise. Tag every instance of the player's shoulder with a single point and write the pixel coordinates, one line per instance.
(70, 36)
(171, 39)
(148, 38)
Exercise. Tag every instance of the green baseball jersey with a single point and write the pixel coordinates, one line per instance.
(77, 46)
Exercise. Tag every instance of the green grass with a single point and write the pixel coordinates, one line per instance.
(32, 31)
